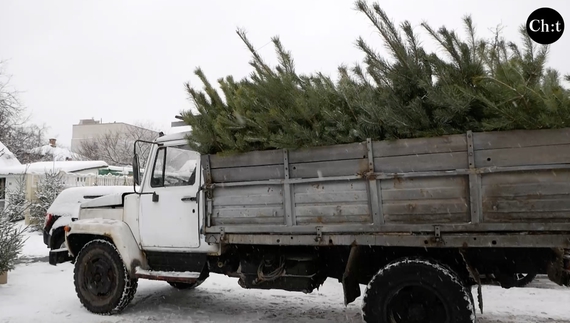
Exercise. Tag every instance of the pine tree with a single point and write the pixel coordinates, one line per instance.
(273, 108)
(17, 202)
(46, 192)
(477, 84)
(11, 243)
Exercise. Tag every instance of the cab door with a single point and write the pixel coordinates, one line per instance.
(169, 209)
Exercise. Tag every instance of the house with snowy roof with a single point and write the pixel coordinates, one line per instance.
(13, 173)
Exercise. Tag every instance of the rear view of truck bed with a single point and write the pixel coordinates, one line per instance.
(515, 181)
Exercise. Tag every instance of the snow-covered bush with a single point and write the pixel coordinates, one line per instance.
(11, 243)
(17, 203)
(48, 189)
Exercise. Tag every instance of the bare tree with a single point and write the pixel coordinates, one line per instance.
(116, 147)
(16, 133)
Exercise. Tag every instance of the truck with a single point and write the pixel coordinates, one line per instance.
(420, 222)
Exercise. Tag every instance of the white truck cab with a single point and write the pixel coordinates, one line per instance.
(163, 215)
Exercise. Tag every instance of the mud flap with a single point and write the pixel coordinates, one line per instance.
(350, 285)
(475, 275)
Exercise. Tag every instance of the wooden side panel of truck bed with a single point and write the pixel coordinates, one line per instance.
(495, 181)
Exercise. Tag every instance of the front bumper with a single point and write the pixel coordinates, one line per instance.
(59, 256)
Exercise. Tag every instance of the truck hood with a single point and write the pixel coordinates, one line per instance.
(68, 202)
(110, 200)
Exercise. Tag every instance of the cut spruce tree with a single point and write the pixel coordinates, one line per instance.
(472, 83)
(11, 243)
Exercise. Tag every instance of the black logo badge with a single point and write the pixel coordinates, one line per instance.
(545, 26)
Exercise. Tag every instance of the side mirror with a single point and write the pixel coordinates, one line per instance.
(136, 170)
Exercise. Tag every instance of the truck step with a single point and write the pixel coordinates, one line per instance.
(170, 276)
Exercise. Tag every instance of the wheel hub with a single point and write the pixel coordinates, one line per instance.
(99, 278)
(416, 304)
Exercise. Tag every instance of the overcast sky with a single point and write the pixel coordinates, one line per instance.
(128, 60)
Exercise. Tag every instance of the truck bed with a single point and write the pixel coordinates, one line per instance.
(515, 182)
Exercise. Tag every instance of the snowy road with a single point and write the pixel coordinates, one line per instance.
(37, 292)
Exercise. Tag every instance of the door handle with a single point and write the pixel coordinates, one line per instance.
(188, 198)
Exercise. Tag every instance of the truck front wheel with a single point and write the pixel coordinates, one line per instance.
(101, 279)
(417, 291)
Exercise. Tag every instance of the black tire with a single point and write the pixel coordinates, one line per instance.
(182, 286)
(524, 279)
(99, 295)
(416, 290)
(203, 276)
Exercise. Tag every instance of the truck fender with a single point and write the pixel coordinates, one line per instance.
(117, 232)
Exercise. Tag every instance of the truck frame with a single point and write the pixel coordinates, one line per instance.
(419, 221)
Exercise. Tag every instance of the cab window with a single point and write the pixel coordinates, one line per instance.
(174, 166)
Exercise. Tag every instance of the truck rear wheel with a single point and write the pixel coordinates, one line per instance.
(417, 291)
(193, 285)
(101, 279)
(525, 279)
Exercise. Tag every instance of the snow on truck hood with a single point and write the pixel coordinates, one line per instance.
(69, 200)
(106, 200)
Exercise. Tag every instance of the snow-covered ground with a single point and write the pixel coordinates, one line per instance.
(38, 292)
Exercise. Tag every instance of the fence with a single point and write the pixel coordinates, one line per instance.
(76, 180)
(73, 180)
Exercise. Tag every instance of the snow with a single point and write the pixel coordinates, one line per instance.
(43, 167)
(59, 154)
(7, 158)
(173, 136)
(34, 246)
(38, 292)
(122, 169)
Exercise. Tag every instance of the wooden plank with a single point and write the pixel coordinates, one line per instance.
(329, 153)
(527, 217)
(462, 217)
(254, 158)
(332, 210)
(249, 200)
(329, 168)
(457, 182)
(239, 174)
(336, 219)
(250, 212)
(552, 154)
(421, 163)
(334, 197)
(526, 205)
(520, 138)
(545, 177)
(529, 190)
(442, 206)
(423, 193)
(248, 190)
(403, 147)
(330, 187)
(248, 221)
